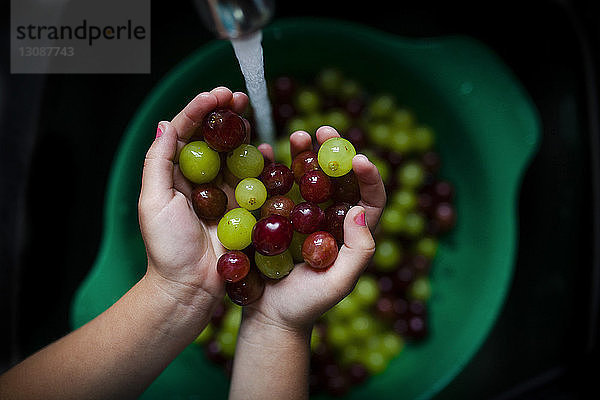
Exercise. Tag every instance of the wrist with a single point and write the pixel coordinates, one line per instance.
(186, 308)
(261, 330)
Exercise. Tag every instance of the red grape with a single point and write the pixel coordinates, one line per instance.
(320, 250)
(272, 235)
(233, 266)
(307, 217)
(303, 163)
(279, 205)
(247, 290)
(445, 216)
(334, 220)
(223, 130)
(315, 186)
(346, 189)
(209, 201)
(277, 178)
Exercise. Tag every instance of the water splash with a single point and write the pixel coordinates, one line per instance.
(249, 53)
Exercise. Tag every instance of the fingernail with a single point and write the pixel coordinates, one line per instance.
(359, 219)
(160, 130)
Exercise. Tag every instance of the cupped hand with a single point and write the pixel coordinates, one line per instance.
(296, 301)
(182, 249)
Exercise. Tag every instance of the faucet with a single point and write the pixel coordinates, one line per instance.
(233, 19)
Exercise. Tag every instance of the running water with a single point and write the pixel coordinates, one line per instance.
(249, 53)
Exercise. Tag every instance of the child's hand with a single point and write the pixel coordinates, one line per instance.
(182, 249)
(296, 301)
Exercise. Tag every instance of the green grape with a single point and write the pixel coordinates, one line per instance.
(295, 248)
(198, 162)
(335, 156)
(420, 289)
(330, 80)
(350, 354)
(337, 119)
(235, 229)
(307, 101)
(245, 161)
(275, 267)
(297, 124)
(401, 141)
(390, 344)
(382, 106)
(346, 308)
(423, 138)
(411, 175)
(294, 194)
(388, 255)
(366, 291)
(362, 326)
(414, 224)
(403, 118)
(205, 335)
(382, 166)
(313, 121)
(338, 335)
(380, 134)
(232, 318)
(250, 193)
(282, 151)
(349, 89)
(427, 246)
(404, 199)
(392, 219)
(227, 342)
(315, 338)
(374, 361)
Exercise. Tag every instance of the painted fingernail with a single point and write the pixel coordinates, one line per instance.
(160, 130)
(359, 219)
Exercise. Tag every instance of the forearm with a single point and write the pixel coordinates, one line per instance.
(117, 354)
(270, 362)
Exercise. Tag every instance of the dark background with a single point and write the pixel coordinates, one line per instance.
(59, 133)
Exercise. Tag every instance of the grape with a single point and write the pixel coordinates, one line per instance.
(247, 290)
(375, 362)
(346, 189)
(205, 335)
(209, 201)
(277, 178)
(382, 106)
(320, 250)
(445, 216)
(274, 267)
(442, 191)
(338, 119)
(362, 325)
(404, 199)
(414, 224)
(335, 156)
(235, 229)
(223, 130)
(280, 205)
(392, 219)
(315, 186)
(388, 255)
(283, 88)
(403, 118)
(427, 247)
(307, 217)
(401, 141)
(272, 235)
(198, 162)
(423, 138)
(295, 248)
(307, 101)
(233, 266)
(391, 344)
(431, 161)
(329, 80)
(334, 220)
(245, 161)
(420, 289)
(250, 193)
(357, 373)
(303, 163)
(366, 290)
(357, 137)
(411, 175)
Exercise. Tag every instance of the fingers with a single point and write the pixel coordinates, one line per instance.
(372, 190)
(239, 102)
(267, 151)
(357, 250)
(157, 175)
(300, 141)
(325, 133)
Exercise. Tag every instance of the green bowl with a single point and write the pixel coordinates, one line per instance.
(487, 131)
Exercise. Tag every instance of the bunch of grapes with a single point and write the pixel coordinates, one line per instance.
(389, 306)
(287, 231)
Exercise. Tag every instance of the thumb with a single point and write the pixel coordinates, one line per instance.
(157, 175)
(358, 247)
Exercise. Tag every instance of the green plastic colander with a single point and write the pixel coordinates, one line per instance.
(487, 131)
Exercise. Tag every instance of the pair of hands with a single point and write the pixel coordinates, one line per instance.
(183, 250)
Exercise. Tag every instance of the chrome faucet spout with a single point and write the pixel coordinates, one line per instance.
(233, 19)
